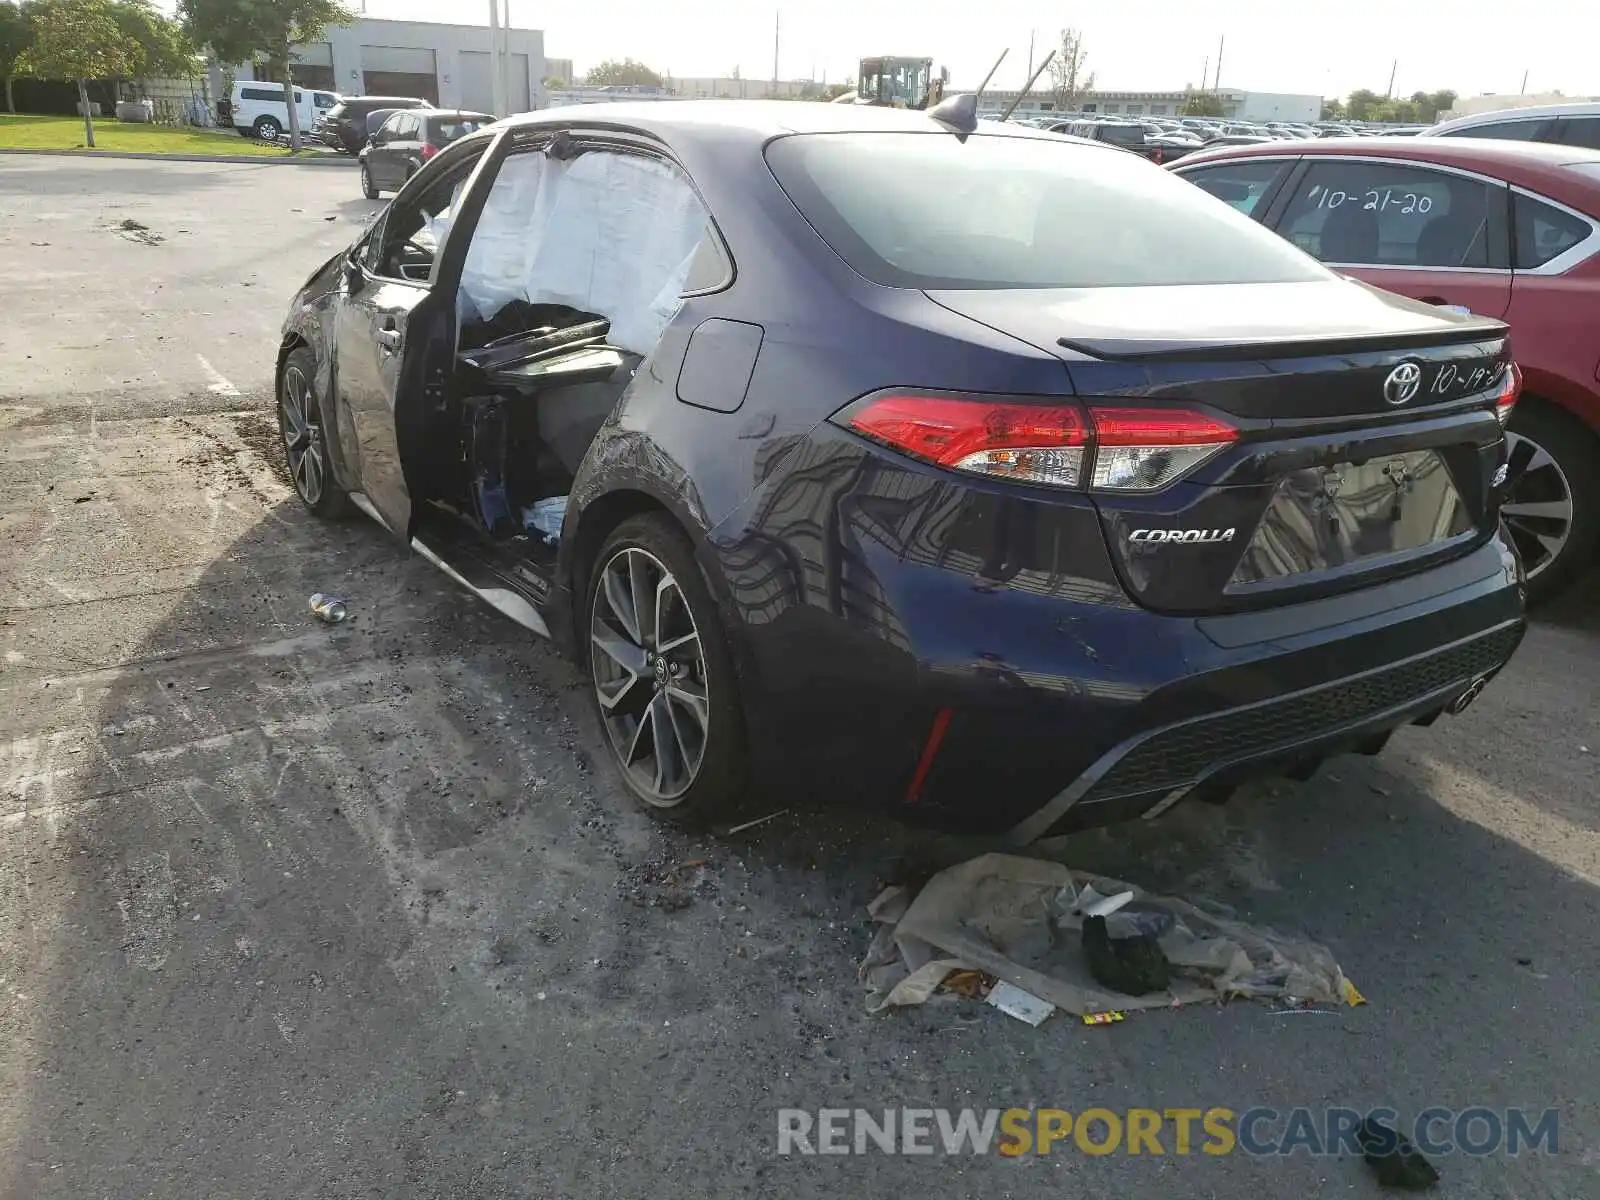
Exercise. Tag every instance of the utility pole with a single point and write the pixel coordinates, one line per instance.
(1392, 71)
(1221, 42)
(777, 29)
(505, 57)
(1030, 50)
(1205, 72)
(497, 79)
(1524, 90)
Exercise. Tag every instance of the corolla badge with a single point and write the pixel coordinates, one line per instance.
(1403, 383)
(1187, 537)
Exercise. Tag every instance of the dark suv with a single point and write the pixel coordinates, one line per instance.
(344, 127)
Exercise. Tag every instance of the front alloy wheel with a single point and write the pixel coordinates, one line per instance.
(305, 448)
(650, 675)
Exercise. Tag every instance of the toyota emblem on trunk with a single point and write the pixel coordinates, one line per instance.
(1403, 383)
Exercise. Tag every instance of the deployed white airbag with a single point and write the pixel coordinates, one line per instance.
(607, 233)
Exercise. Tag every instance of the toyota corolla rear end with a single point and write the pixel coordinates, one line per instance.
(1247, 519)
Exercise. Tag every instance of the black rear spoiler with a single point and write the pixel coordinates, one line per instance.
(1146, 350)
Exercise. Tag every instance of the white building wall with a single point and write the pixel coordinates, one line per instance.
(369, 43)
(1279, 106)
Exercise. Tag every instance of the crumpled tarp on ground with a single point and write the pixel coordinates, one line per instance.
(1012, 917)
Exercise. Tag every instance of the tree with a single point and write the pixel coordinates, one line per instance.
(155, 43)
(1068, 79)
(16, 35)
(1333, 110)
(1362, 104)
(629, 72)
(76, 39)
(1443, 101)
(1202, 104)
(240, 30)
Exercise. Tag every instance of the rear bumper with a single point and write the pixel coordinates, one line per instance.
(979, 707)
(1149, 772)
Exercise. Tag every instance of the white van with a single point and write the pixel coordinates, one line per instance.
(256, 109)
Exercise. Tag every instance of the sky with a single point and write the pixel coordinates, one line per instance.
(1469, 46)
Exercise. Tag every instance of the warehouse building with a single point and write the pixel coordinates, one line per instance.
(445, 64)
(1236, 104)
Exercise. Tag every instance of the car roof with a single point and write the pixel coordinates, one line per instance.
(387, 101)
(1588, 108)
(1538, 165)
(470, 114)
(759, 120)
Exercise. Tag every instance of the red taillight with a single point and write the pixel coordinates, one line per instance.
(1034, 442)
(428, 151)
(1505, 397)
(1143, 449)
(1133, 449)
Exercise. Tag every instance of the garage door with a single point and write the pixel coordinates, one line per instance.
(399, 71)
(477, 85)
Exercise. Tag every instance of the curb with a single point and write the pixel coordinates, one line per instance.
(317, 160)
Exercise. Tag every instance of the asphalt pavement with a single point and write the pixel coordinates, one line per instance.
(289, 910)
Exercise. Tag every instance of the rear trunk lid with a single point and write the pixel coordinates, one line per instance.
(1367, 434)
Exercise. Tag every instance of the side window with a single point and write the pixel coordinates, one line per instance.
(603, 234)
(1530, 129)
(1390, 214)
(1240, 185)
(406, 242)
(1579, 131)
(1543, 231)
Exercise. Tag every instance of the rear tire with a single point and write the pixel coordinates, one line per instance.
(659, 665)
(300, 418)
(368, 188)
(1554, 461)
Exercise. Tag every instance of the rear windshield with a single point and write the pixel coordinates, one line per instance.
(444, 130)
(1121, 135)
(919, 210)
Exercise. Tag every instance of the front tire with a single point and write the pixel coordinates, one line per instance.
(368, 188)
(662, 674)
(300, 422)
(268, 129)
(1552, 496)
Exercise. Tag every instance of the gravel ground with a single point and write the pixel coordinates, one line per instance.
(289, 910)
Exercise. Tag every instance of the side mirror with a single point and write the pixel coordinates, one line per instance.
(372, 139)
(354, 280)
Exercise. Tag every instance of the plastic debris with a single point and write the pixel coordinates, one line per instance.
(1397, 1163)
(545, 517)
(1104, 1018)
(1014, 918)
(772, 816)
(1015, 1002)
(328, 610)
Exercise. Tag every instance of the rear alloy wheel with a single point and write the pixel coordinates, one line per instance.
(663, 678)
(1552, 496)
(305, 448)
(268, 129)
(368, 188)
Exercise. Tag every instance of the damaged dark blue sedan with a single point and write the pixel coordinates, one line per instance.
(895, 458)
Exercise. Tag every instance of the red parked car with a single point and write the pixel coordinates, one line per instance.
(1506, 229)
